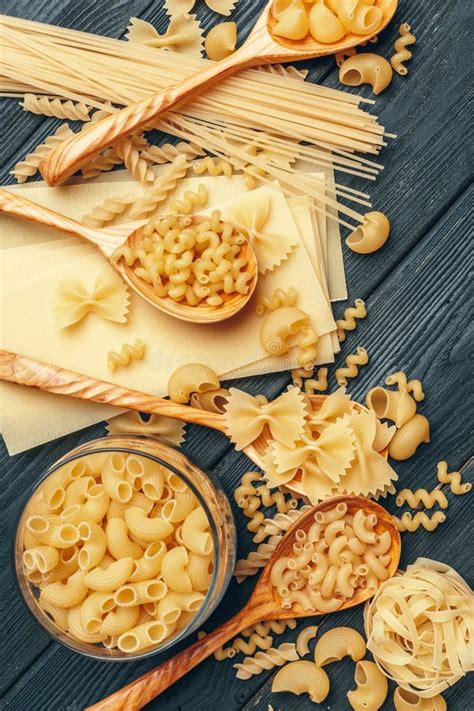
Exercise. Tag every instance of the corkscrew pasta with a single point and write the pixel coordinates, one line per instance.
(371, 687)
(410, 523)
(190, 201)
(349, 322)
(422, 496)
(167, 152)
(112, 562)
(29, 166)
(411, 386)
(126, 355)
(264, 661)
(213, 166)
(351, 369)
(302, 677)
(221, 41)
(371, 235)
(402, 54)
(366, 68)
(108, 211)
(453, 479)
(74, 111)
(163, 185)
(191, 378)
(279, 298)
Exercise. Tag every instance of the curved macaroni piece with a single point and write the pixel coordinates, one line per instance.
(246, 488)
(399, 407)
(158, 426)
(351, 370)
(407, 439)
(195, 532)
(221, 41)
(108, 299)
(190, 200)
(108, 211)
(120, 620)
(371, 235)
(264, 661)
(110, 578)
(372, 687)
(74, 111)
(411, 386)
(67, 594)
(279, 327)
(213, 166)
(163, 185)
(118, 542)
(126, 355)
(146, 635)
(167, 152)
(95, 545)
(422, 496)
(77, 630)
(279, 298)
(366, 68)
(402, 54)
(211, 401)
(302, 678)
(453, 479)
(337, 643)
(183, 35)
(29, 166)
(191, 378)
(348, 323)
(303, 639)
(410, 523)
(324, 25)
(404, 700)
(145, 528)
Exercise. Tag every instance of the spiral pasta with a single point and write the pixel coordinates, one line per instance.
(256, 559)
(319, 384)
(138, 166)
(190, 200)
(349, 323)
(307, 351)
(422, 496)
(410, 523)
(108, 211)
(279, 298)
(213, 166)
(400, 379)
(264, 661)
(74, 111)
(453, 479)
(282, 522)
(167, 152)
(351, 370)
(402, 54)
(100, 163)
(29, 166)
(161, 188)
(126, 355)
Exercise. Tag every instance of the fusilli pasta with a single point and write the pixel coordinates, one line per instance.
(264, 661)
(422, 496)
(348, 323)
(138, 166)
(190, 200)
(74, 111)
(410, 523)
(167, 152)
(213, 166)
(160, 189)
(411, 386)
(256, 559)
(402, 54)
(28, 167)
(126, 355)
(108, 211)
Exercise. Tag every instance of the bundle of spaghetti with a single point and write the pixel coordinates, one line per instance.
(256, 559)
(55, 107)
(28, 167)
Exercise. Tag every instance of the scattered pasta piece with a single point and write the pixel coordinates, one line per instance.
(190, 201)
(422, 496)
(126, 355)
(304, 638)
(292, 20)
(351, 370)
(212, 400)
(280, 326)
(399, 407)
(263, 661)
(161, 188)
(184, 34)
(402, 54)
(337, 643)
(307, 351)
(324, 25)
(279, 298)
(410, 523)
(108, 299)
(74, 111)
(156, 426)
(453, 479)
(29, 166)
(366, 68)
(404, 700)
(167, 152)
(282, 522)
(191, 378)
(411, 386)
(319, 384)
(407, 439)
(372, 687)
(340, 57)
(183, 7)
(418, 628)
(108, 211)
(213, 166)
(221, 41)
(349, 323)
(371, 235)
(256, 560)
(139, 168)
(302, 677)
(246, 418)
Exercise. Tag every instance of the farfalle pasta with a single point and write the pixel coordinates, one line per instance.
(184, 7)
(183, 35)
(108, 299)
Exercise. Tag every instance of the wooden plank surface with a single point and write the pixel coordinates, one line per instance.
(419, 319)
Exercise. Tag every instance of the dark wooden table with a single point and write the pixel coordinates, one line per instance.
(417, 292)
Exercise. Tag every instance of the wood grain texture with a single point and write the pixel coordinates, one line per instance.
(419, 319)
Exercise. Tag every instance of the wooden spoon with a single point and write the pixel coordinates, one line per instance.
(261, 47)
(264, 604)
(108, 239)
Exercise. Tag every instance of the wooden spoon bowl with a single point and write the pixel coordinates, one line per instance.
(264, 604)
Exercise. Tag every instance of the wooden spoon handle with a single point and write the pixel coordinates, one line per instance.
(18, 206)
(27, 371)
(72, 153)
(147, 687)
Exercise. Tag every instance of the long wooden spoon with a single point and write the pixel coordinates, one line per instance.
(264, 604)
(108, 239)
(261, 47)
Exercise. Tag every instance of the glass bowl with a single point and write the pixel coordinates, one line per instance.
(210, 496)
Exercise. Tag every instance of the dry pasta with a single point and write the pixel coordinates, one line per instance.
(212, 400)
(302, 677)
(351, 369)
(280, 326)
(108, 211)
(371, 687)
(191, 378)
(183, 35)
(404, 700)
(212, 166)
(256, 560)
(108, 299)
(190, 200)
(279, 298)
(366, 68)
(399, 407)
(221, 41)
(338, 643)
(126, 355)
(402, 54)
(411, 386)
(371, 235)
(407, 439)
(74, 111)
(410, 523)
(349, 323)
(292, 21)
(453, 479)
(163, 185)
(29, 166)
(422, 496)
(307, 351)
(264, 661)
(167, 152)
(138, 166)
(303, 639)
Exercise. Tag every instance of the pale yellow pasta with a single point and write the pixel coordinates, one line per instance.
(302, 677)
(199, 570)
(366, 68)
(114, 478)
(142, 636)
(303, 639)
(292, 22)
(402, 54)
(76, 628)
(174, 570)
(422, 496)
(108, 299)
(145, 528)
(59, 615)
(96, 506)
(157, 425)
(42, 558)
(195, 533)
(266, 660)
(348, 323)
(404, 700)
(363, 527)
(279, 327)
(191, 378)
(55, 534)
(410, 523)
(117, 510)
(67, 594)
(337, 643)
(212, 400)
(110, 578)
(361, 18)
(319, 384)
(212, 166)
(94, 547)
(54, 488)
(74, 111)
(120, 620)
(149, 565)
(324, 25)
(279, 298)
(77, 490)
(190, 200)
(139, 593)
(221, 41)
(453, 479)
(408, 438)
(29, 166)
(351, 369)
(399, 407)
(256, 559)
(371, 687)
(94, 608)
(119, 543)
(325, 517)
(68, 564)
(411, 386)
(371, 235)
(126, 355)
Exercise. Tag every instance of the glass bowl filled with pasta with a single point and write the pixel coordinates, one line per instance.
(124, 548)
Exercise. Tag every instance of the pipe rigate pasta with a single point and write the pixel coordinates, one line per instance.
(410, 523)
(360, 18)
(351, 370)
(211, 401)
(221, 41)
(371, 235)
(324, 25)
(407, 439)
(126, 355)
(292, 21)
(337, 643)
(74, 111)
(264, 661)
(404, 700)
(302, 677)
(453, 479)
(366, 68)
(402, 54)
(349, 323)
(372, 687)
(399, 407)
(279, 327)
(191, 378)
(422, 496)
